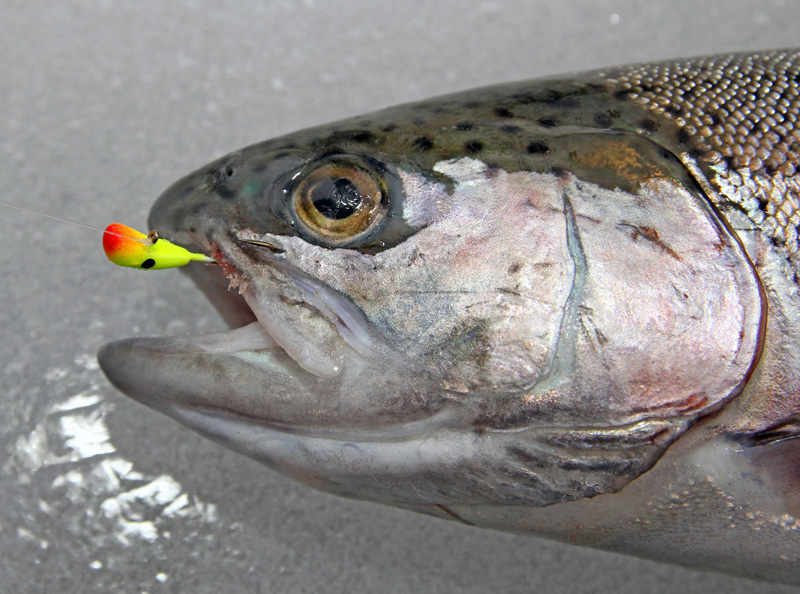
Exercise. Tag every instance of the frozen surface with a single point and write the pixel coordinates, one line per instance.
(102, 106)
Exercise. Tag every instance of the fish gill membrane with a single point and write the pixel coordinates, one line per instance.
(501, 308)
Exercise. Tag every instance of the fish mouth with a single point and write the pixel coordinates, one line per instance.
(294, 348)
(271, 304)
(282, 306)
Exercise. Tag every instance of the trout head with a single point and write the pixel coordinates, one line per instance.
(447, 303)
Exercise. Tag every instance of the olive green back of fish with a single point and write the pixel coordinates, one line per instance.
(727, 123)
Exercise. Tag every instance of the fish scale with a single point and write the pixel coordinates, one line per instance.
(741, 111)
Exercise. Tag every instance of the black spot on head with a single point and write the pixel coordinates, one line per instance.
(389, 127)
(473, 146)
(548, 122)
(603, 119)
(524, 98)
(503, 112)
(537, 148)
(423, 143)
(649, 125)
(696, 154)
(511, 129)
(464, 126)
(567, 103)
(219, 181)
(362, 136)
(149, 263)
(337, 136)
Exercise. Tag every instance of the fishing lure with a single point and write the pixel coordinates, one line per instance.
(130, 248)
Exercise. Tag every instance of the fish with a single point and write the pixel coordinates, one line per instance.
(564, 307)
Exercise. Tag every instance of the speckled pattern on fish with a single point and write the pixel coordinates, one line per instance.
(741, 111)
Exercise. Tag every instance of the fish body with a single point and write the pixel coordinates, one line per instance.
(565, 307)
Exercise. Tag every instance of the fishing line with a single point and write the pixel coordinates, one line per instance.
(130, 248)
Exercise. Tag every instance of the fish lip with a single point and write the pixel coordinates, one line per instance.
(445, 419)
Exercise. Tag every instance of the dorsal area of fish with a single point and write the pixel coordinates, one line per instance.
(731, 118)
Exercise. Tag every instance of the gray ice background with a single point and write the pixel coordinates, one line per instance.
(104, 104)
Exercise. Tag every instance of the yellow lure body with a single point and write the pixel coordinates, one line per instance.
(128, 247)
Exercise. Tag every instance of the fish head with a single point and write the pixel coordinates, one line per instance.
(432, 306)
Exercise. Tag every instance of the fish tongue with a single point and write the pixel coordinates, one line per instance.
(305, 335)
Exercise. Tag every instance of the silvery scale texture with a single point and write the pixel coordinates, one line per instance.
(103, 106)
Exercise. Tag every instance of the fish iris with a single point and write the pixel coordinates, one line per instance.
(338, 201)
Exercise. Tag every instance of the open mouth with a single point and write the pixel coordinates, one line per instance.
(270, 304)
(296, 360)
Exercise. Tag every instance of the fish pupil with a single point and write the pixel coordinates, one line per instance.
(336, 198)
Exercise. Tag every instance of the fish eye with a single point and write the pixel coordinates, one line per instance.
(339, 200)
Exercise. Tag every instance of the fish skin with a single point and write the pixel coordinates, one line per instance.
(577, 316)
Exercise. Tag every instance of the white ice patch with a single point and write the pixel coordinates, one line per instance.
(72, 436)
(86, 435)
(77, 401)
(137, 513)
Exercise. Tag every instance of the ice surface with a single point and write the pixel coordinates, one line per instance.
(104, 104)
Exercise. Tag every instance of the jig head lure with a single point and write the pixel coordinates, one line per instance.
(130, 248)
